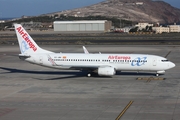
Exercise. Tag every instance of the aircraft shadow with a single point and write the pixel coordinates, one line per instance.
(135, 74)
(70, 74)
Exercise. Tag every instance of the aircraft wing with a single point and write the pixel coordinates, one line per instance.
(79, 67)
(82, 67)
(85, 50)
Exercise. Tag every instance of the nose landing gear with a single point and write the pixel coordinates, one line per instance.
(157, 74)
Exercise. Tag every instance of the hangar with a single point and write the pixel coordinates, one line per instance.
(83, 26)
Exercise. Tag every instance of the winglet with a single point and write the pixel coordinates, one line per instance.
(85, 50)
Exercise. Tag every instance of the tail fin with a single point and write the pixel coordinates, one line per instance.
(26, 43)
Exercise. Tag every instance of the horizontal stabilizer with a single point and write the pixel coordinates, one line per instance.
(23, 57)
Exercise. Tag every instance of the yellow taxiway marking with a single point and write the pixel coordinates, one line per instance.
(124, 110)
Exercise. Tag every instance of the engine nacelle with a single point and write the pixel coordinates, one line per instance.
(106, 71)
(160, 72)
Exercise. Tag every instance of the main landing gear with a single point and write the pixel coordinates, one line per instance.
(89, 75)
(157, 74)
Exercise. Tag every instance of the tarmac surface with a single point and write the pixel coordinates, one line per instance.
(31, 92)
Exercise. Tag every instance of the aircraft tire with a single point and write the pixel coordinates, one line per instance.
(157, 74)
(89, 75)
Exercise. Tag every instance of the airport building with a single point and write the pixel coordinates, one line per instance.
(143, 25)
(83, 26)
(174, 28)
(169, 29)
(30, 25)
(2, 21)
(161, 29)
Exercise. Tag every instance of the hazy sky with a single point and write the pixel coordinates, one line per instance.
(18, 8)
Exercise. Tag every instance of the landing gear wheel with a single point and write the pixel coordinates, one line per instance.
(157, 74)
(89, 75)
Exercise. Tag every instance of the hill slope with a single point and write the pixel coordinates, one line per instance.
(134, 10)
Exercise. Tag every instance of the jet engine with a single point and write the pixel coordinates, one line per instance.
(106, 71)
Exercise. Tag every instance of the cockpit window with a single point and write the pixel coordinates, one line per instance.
(164, 60)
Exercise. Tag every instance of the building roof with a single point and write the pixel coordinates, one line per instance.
(87, 21)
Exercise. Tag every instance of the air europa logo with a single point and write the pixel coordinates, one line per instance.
(26, 38)
(119, 57)
(139, 61)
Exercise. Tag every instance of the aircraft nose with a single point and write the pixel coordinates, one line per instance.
(171, 65)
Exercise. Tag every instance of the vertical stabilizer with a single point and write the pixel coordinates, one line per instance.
(26, 43)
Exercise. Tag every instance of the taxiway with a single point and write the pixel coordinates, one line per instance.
(31, 92)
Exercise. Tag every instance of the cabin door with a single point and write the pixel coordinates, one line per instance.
(154, 61)
(41, 60)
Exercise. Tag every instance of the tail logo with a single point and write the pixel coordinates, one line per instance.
(24, 46)
(24, 35)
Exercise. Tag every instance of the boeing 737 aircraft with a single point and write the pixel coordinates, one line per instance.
(102, 64)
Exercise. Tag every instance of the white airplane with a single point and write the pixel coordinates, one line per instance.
(102, 64)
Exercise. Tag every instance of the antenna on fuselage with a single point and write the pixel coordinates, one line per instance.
(167, 54)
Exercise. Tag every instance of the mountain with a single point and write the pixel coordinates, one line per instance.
(134, 10)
